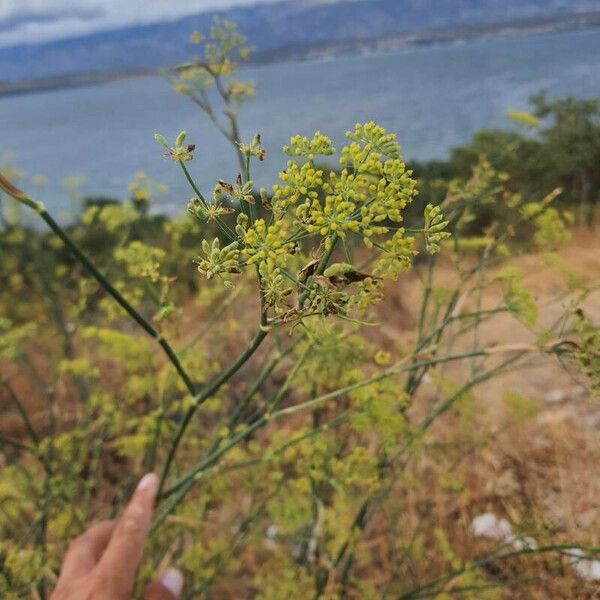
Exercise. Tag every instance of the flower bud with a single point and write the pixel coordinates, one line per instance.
(180, 139)
(161, 140)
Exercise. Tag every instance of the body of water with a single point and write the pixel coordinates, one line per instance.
(434, 98)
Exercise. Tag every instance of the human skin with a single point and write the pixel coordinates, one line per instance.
(102, 563)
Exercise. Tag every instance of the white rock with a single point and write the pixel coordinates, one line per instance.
(593, 420)
(584, 567)
(554, 396)
(272, 531)
(491, 527)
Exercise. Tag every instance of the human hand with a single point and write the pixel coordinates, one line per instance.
(102, 563)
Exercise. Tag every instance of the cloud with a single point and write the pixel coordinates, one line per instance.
(23, 16)
(35, 21)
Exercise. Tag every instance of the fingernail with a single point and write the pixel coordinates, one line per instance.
(172, 580)
(147, 482)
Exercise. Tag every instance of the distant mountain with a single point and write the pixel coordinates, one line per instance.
(272, 29)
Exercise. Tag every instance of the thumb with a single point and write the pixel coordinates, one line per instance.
(167, 587)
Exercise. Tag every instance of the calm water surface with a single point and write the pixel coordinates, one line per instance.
(433, 97)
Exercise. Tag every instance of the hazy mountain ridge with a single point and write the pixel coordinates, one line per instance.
(290, 24)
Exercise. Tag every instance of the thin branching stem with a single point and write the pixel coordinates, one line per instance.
(209, 391)
(429, 589)
(119, 298)
(362, 516)
(225, 229)
(22, 412)
(18, 445)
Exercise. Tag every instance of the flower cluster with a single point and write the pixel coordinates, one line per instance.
(300, 146)
(225, 42)
(224, 48)
(13, 337)
(518, 299)
(179, 152)
(396, 256)
(435, 224)
(254, 148)
(315, 208)
(240, 90)
(216, 261)
(275, 287)
(375, 139)
(208, 212)
(337, 215)
(143, 189)
(550, 227)
(300, 183)
(373, 187)
(587, 354)
(267, 243)
(141, 260)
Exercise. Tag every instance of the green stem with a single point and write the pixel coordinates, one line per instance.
(225, 229)
(18, 445)
(22, 412)
(410, 383)
(445, 406)
(362, 517)
(479, 287)
(118, 297)
(181, 486)
(210, 390)
(426, 297)
(180, 489)
(374, 379)
(100, 278)
(419, 591)
(274, 415)
(245, 401)
(256, 385)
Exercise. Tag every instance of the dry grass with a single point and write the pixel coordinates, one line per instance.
(541, 473)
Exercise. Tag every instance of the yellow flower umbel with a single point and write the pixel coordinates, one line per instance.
(254, 148)
(267, 244)
(300, 183)
(314, 208)
(435, 224)
(373, 187)
(300, 146)
(224, 48)
(216, 261)
(179, 152)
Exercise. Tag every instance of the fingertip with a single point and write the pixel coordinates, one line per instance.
(148, 484)
(126, 546)
(172, 581)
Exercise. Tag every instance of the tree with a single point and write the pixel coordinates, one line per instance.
(572, 147)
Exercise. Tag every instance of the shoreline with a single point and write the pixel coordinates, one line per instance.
(332, 50)
(432, 37)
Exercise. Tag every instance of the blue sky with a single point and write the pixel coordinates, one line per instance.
(34, 21)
